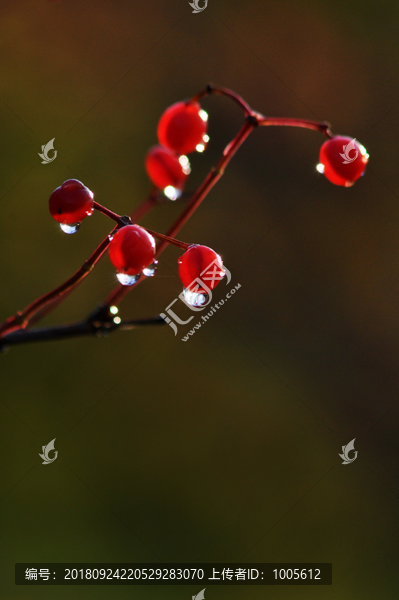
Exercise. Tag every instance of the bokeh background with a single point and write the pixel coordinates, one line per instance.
(223, 448)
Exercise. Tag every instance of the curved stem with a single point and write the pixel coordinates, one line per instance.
(168, 240)
(122, 222)
(321, 126)
(221, 91)
(108, 213)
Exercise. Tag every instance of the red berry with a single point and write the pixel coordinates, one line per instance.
(342, 160)
(182, 128)
(71, 202)
(165, 169)
(132, 249)
(203, 263)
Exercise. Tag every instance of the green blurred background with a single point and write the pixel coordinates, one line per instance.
(223, 448)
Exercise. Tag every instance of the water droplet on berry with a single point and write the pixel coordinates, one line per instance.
(202, 145)
(320, 168)
(110, 237)
(172, 193)
(70, 227)
(194, 298)
(185, 163)
(151, 269)
(363, 152)
(126, 279)
(203, 114)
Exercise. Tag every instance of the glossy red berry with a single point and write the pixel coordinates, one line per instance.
(131, 250)
(71, 202)
(166, 169)
(182, 127)
(200, 263)
(342, 160)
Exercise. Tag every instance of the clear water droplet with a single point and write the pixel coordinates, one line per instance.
(172, 193)
(195, 298)
(151, 269)
(70, 227)
(126, 279)
(185, 163)
(320, 168)
(110, 237)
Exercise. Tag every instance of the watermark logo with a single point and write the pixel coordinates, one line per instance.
(46, 449)
(45, 149)
(196, 7)
(346, 449)
(200, 595)
(197, 295)
(348, 148)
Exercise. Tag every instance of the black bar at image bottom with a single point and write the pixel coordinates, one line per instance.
(173, 574)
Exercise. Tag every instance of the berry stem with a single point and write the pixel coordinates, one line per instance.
(121, 222)
(168, 240)
(221, 91)
(321, 126)
(109, 213)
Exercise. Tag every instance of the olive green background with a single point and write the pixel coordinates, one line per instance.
(225, 447)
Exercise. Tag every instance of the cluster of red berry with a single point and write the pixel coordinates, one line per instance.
(132, 248)
(181, 130)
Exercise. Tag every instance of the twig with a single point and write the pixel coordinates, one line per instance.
(84, 328)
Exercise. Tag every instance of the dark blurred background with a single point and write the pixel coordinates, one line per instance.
(225, 447)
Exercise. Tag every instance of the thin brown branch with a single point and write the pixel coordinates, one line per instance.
(221, 91)
(320, 126)
(84, 328)
(168, 240)
(109, 213)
